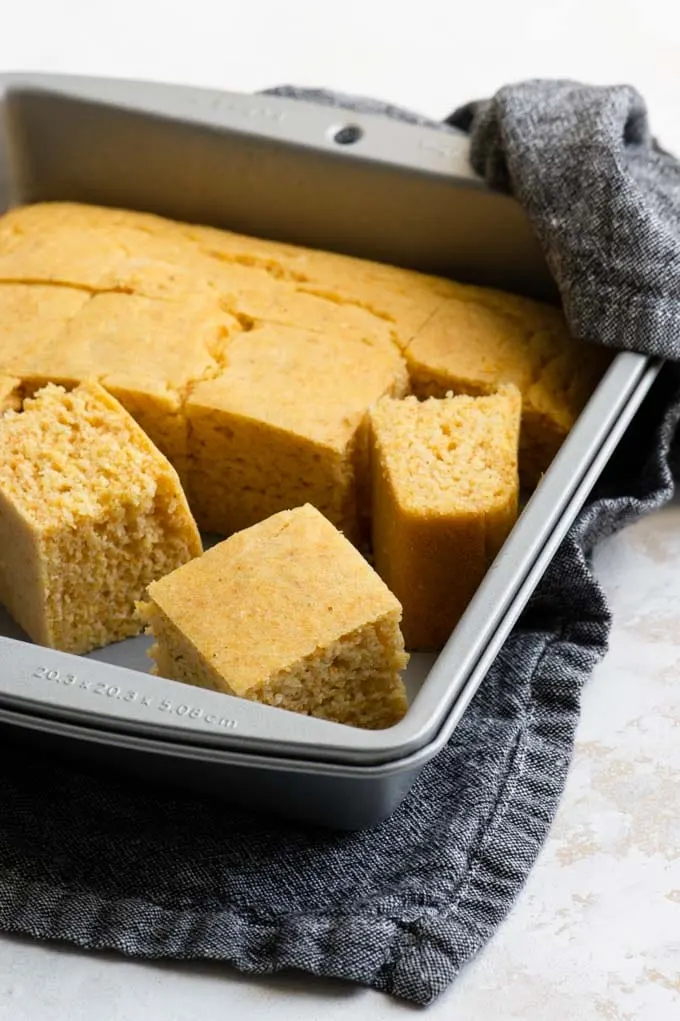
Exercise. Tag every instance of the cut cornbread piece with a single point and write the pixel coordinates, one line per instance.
(145, 352)
(10, 394)
(287, 613)
(445, 493)
(284, 424)
(474, 345)
(31, 317)
(90, 514)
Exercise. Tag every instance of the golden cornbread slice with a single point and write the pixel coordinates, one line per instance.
(445, 492)
(473, 345)
(90, 514)
(284, 424)
(145, 352)
(287, 613)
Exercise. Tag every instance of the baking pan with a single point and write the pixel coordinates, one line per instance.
(274, 167)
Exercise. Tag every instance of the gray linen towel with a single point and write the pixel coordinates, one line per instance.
(403, 906)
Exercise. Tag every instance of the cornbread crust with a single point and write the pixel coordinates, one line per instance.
(90, 514)
(287, 613)
(445, 494)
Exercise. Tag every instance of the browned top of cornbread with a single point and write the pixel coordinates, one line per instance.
(66, 456)
(32, 317)
(312, 385)
(452, 454)
(295, 572)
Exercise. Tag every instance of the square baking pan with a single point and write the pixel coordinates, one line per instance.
(280, 168)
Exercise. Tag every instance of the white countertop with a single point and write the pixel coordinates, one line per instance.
(596, 932)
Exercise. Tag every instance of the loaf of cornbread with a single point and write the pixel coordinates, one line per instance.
(90, 514)
(287, 613)
(164, 315)
(445, 494)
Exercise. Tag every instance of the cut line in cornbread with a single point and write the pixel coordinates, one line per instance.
(444, 495)
(90, 514)
(475, 343)
(285, 423)
(287, 613)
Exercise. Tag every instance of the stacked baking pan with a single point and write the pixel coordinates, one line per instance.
(322, 177)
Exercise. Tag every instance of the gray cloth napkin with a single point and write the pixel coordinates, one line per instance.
(403, 906)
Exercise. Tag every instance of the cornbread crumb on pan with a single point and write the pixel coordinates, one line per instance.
(287, 613)
(90, 514)
(478, 341)
(445, 494)
(285, 424)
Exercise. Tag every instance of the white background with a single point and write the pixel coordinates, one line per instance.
(593, 933)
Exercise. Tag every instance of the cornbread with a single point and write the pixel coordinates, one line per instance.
(474, 344)
(285, 423)
(146, 353)
(287, 613)
(163, 314)
(90, 514)
(445, 492)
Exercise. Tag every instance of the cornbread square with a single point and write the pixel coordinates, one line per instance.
(287, 613)
(285, 424)
(90, 514)
(144, 351)
(480, 340)
(445, 494)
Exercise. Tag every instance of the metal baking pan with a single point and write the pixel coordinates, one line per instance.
(272, 167)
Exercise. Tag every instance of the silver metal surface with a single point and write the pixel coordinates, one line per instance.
(269, 166)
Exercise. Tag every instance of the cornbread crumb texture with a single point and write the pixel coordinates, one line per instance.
(445, 495)
(90, 514)
(287, 613)
(473, 344)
